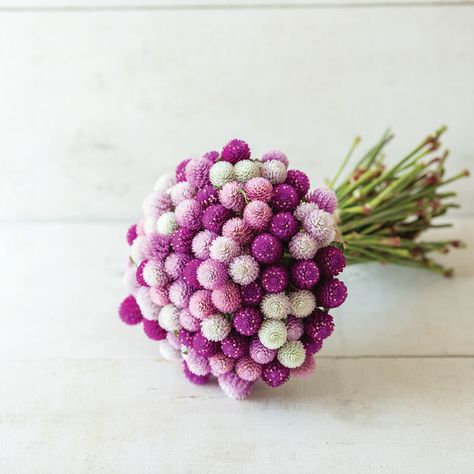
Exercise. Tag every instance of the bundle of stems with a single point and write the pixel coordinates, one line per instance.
(383, 209)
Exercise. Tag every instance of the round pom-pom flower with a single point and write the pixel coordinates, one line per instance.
(231, 196)
(154, 273)
(259, 353)
(320, 224)
(221, 173)
(175, 263)
(302, 303)
(299, 181)
(220, 364)
(304, 209)
(292, 354)
(197, 171)
(303, 246)
(129, 311)
(277, 306)
(201, 244)
(212, 274)
(245, 170)
(331, 260)
(247, 369)
(275, 171)
(235, 345)
(247, 321)
(275, 374)
(169, 318)
(275, 279)
(215, 327)
(257, 215)
(284, 225)
(251, 294)
(272, 333)
(325, 199)
(166, 223)
(275, 155)
(259, 189)
(266, 248)
(304, 274)
(188, 214)
(233, 386)
(235, 151)
(227, 298)
(200, 304)
(331, 293)
(224, 249)
(214, 217)
(244, 269)
(239, 230)
(285, 197)
(207, 195)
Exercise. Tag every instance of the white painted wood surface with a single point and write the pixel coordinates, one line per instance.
(96, 99)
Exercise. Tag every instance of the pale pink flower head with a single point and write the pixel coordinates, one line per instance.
(202, 242)
(320, 225)
(220, 364)
(179, 293)
(188, 214)
(234, 387)
(188, 321)
(224, 249)
(160, 295)
(238, 230)
(247, 369)
(231, 196)
(259, 189)
(227, 298)
(201, 304)
(257, 215)
(212, 274)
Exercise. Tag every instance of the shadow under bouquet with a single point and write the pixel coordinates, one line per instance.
(236, 264)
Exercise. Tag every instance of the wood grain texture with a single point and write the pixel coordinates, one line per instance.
(96, 104)
(122, 416)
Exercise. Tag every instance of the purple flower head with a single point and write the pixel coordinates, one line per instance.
(197, 171)
(236, 150)
(129, 311)
(211, 155)
(233, 386)
(182, 239)
(207, 195)
(131, 234)
(153, 330)
(294, 328)
(266, 248)
(196, 379)
(259, 353)
(139, 273)
(251, 294)
(275, 155)
(275, 278)
(325, 198)
(204, 347)
(311, 345)
(304, 274)
(331, 260)
(186, 337)
(214, 217)
(331, 293)
(181, 171)
(156, 246)
(285, 198)
(274, 374)
(247, 321)
(235, 345)
(189, 274)
(299, 181)
(284, 225)
(319, 325)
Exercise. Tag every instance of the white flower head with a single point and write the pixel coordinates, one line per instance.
(154, 273)
(150, 225)
(166, 223)
(320, 224)
(149, 309)
(167, 351)
(169, 318)
(224, 249)
(136, 250)
(215, 327)
(276, 306)
(303, 303)
(304, 209)
(303, 246)
(244, 269)
(246, 169)
(164, 182)
(272, 333)
(292, 354)
(275, 171)
(221, 172)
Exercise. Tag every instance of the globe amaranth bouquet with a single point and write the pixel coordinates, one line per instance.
(235, 266)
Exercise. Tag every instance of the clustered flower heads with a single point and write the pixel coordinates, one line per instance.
(233, 269)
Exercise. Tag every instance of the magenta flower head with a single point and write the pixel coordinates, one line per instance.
(275, 279)
(230, 269)
(266, 248)
(325, 199)
(299, 181)
(214, 217)
(331, 293)
(129, 311)
(251, 294)
(304, 274)
(285, 197)
(274, 374)
(284, 225)
(331, 261)
(236, 150)
(247, 321)
(207, 195)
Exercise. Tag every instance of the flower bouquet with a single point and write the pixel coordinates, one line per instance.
(236, 264)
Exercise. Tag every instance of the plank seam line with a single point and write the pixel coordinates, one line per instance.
(233, 6)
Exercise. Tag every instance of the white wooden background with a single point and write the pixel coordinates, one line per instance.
(96, 99)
